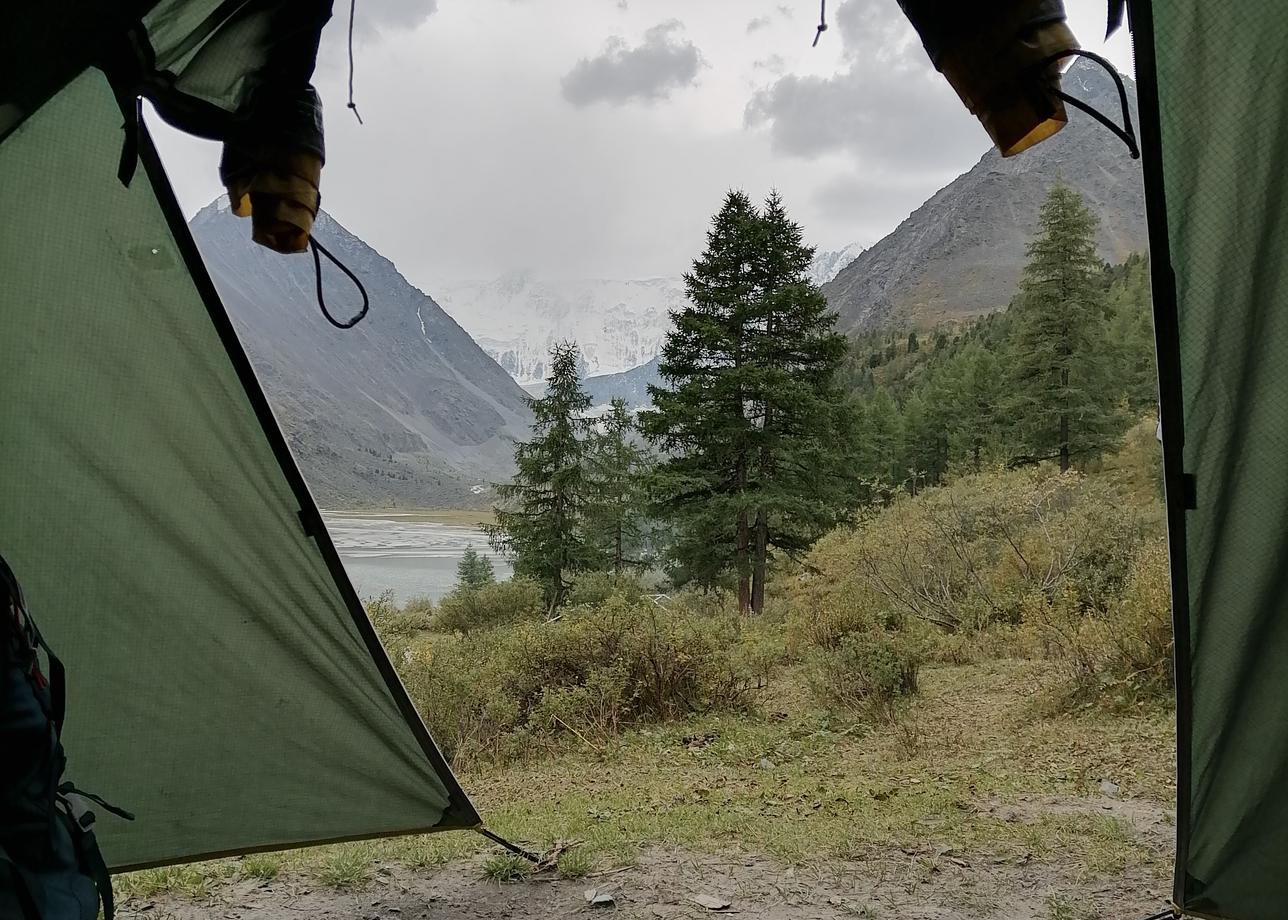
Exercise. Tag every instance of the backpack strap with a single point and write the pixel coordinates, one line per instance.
(80, 823)
(57, 684)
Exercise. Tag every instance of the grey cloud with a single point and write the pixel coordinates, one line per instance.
(647, 72)
(887, 107)
(388, 15)
(755, 25)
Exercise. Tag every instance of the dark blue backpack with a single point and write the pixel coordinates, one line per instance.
(50, 866)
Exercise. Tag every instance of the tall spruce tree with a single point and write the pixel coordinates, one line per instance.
(750, 415)
(699, 419)
(539, 523)
(617, 467)
(802, 485)
(1063, 403)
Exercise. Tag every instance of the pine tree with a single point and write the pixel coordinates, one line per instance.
(914, 346)
(474, 570)
(617, 468)
(1063, 401)
(539, 522)
(750, 416)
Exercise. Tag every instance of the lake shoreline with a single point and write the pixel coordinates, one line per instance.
(410, 553)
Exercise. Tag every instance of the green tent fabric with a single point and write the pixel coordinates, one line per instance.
(1214, 83)
(224, 682)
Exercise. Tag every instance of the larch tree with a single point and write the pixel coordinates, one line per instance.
(1063, 401)
(540, 519)
(617, 465)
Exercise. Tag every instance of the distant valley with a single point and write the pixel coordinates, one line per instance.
(420, 405)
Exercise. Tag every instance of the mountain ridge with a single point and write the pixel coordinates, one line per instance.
(961, 252)
(402, 410)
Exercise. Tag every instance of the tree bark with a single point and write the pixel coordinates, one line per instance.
(758, 570)
(1064, 425)
(741, 562)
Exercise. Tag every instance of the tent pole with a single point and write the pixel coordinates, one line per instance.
(513, 848)
(1167, 338)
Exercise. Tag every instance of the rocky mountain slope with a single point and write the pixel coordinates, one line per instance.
(402, 410)
(961, 253)
(631, 385)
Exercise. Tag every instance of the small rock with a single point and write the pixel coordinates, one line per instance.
(1109, 788)
(711, 902)
(600, 897)
(766, 763)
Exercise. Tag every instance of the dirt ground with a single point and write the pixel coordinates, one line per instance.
(908, 884)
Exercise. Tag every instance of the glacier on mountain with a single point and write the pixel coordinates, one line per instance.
(618, 325)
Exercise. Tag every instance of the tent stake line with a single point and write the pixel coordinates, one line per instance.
(501, 841)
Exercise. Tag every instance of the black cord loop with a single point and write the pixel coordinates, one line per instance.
(317, 267)
(822, 22)
(1127, 133)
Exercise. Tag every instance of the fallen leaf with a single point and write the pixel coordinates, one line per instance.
(600, 897)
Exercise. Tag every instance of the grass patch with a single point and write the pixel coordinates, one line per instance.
(576, 863)
(506, 867)
(346, 865)
(263, 866)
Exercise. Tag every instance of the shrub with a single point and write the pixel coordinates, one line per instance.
(972, 554)
(866, 668)
(495, 604)
(393, 623)
(1141, 624)
(1121, 655)
(493, 692)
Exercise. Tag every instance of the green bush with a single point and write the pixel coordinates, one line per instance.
(394, 623)
(866, 668)
(496, 604)
(494, 692)
(1120, 656)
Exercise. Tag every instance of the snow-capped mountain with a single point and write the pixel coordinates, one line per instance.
(827, 265)
(619, 325)
(517, 317)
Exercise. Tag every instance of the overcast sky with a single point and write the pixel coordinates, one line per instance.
(594, 138)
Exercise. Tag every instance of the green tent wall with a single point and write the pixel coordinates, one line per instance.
(1214, 103)
(225, 684)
